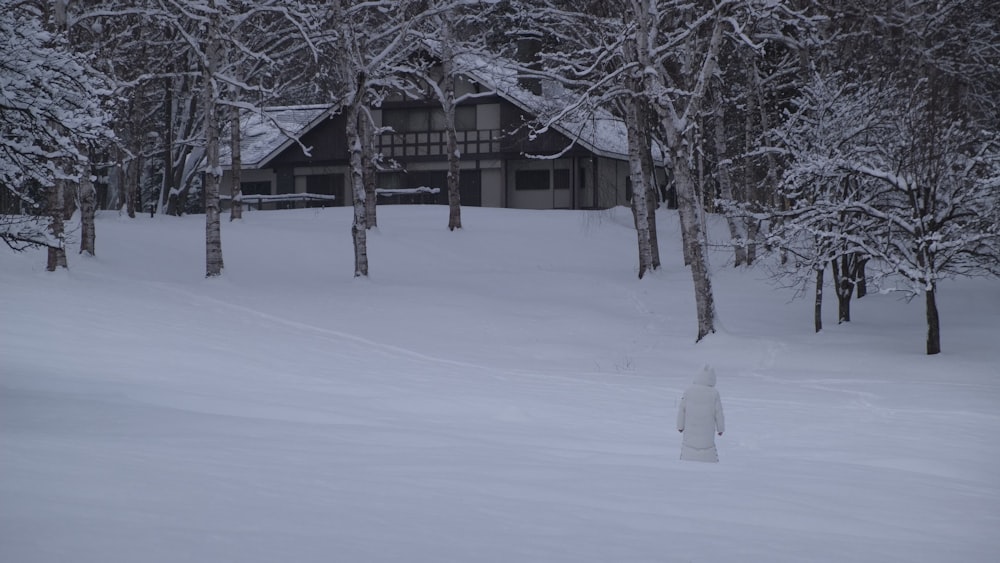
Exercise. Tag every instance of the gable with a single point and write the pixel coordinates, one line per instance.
(326, 141)
(267, 132)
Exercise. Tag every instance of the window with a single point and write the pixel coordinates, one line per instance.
(465, 118)
(396, 119)
(417, 121)
(560, 179)
(422, 120)
(437, 120)
(531, 180)
(255, 188)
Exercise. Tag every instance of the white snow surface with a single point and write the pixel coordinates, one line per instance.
(502, 393)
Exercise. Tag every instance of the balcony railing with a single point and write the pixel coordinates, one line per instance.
(435, 143)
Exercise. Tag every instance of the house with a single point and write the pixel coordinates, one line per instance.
(578, 163)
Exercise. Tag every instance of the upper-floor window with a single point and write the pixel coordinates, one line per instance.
(421, 120)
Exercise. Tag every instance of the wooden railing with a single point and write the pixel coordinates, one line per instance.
(277, 199)
(435, 143)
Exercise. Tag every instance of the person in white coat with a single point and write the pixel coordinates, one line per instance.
(700, 417)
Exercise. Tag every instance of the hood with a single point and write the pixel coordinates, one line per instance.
(706, 377)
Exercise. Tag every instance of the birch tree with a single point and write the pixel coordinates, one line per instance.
(216, 44)
(678, 54)
(50, 109)
(367, 43)
(592, 53)
(453, 32)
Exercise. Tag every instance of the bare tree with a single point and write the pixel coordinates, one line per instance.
(593, 54)
(682, 45)
(894, 163)
(453, 34)
(367, 42)
(50, 107)
(215, 45)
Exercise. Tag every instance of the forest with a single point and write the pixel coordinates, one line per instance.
(855, 138)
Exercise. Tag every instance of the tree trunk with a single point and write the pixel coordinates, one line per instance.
(640, 190)
(132, 183)
(771, 179)
(359, 228)
(649, 177)
(725, 179)
(88, 212)
(368, 169)
(675, 125)
(168, 149)
(185, 123)
(753, 228)
(448, 106)
(454, 193)
(933, 323)
(654, 241)
(116, 190)
(818, 307)
(236, 188)
(691, 225)
(71, 195)
(861, 277)
(843, 282)
(213, 234)
(57, 227)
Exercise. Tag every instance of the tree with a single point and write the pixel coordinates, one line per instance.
(936, 182)
(906, 158)
(215, 45)
(452, 31)
(828, 120)
(367, 43)
(678, 52)
(886, 178)
(50, 109)
(593, 55)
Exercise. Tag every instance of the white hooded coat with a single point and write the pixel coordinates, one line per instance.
(699, 417)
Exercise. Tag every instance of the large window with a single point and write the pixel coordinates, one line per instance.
(421, 120)
(531, 180)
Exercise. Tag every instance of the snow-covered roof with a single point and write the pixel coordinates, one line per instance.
(269, 131)
(596, 129)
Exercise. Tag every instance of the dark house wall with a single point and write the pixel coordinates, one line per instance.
(513, 123)
(328, 141)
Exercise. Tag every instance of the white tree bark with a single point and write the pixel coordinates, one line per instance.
(213, 173)
(676, 114)
(737, 231)
(88, 212)
(236, 189)
(359, 229)
(57, 227)
(367, 130)
(640, 190)
(448, 105)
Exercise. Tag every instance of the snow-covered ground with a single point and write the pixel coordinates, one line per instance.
(504, 394)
